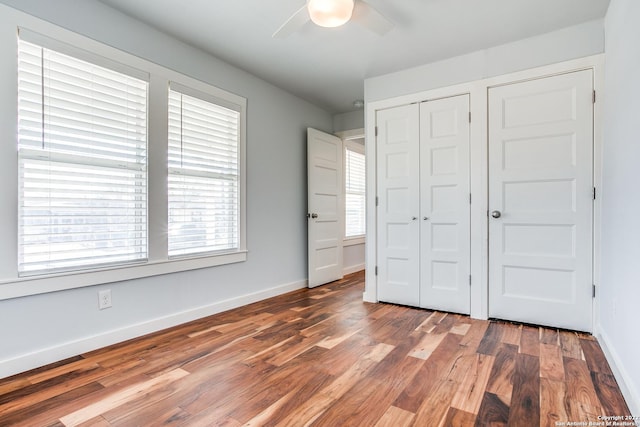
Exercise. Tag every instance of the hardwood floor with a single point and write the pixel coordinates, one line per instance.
(323, 357)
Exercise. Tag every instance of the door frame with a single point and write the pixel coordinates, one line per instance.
(478, 92)
(347, 137)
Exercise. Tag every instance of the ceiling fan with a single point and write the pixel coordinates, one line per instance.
(333, 13)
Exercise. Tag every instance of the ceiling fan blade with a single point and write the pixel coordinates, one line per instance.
(365, 15)
(293, 24)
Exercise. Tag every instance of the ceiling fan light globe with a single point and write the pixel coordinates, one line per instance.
(330, 13)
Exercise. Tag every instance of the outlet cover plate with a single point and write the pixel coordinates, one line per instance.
(104, 299)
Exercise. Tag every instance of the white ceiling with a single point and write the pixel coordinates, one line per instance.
(328, 66)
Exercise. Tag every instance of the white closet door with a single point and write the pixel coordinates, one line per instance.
(445, 209)
(399, 208)
(540, 201)
(325, 198)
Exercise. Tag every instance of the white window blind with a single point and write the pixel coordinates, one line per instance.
(354, 194)
(203, 175)
(82, 152)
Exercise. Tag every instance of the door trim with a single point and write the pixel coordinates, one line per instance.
(479, 170)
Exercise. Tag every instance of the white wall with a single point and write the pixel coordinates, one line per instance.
(569, 43)
(39, 329)
(348, 121)
(352, 258)
(620, 278)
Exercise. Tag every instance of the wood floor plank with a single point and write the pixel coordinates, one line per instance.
(511, 334)
(279, 410)
(395, 417)
(460, 328)
(581, 399)
(491, 339)
(434, 408)
(530, 341)
(594, 357)
(551, 364)
(525, 401)
(549, 336)
(426, 346)
(431, 373)
(77, 417)
(570, 345)
(469, 395)
(431, 321)
(40, 392)
(493, 412)
(608, 393)
(500, 380)
(471, 340)
(295, 349)
(445, 324)
(344, 355)
(48, 411)
(457, 418)
(310, 410)
(323, 357)
(552, 408)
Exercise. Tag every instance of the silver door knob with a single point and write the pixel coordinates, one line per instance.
(312, 215)
(426, 218)
(414, 218)
(496, 214)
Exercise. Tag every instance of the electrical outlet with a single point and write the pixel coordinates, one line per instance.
(104, 299)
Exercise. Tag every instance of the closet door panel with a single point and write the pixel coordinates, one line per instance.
(398, 210)
(444, 204)
(541, 203)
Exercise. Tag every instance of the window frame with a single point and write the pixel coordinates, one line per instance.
(158, 263)
(352, 144)
(217, 102)
(28, 155)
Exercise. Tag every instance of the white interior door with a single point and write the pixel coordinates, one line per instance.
(325, 201)
(445, 204)
(540, 201)
(398, 227)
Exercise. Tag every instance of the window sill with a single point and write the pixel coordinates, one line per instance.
(25, 286)
(352, 241)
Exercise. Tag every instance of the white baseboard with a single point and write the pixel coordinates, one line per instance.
(352, 269)
(628, 388)
(63, 351)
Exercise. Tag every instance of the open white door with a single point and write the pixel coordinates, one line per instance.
(445, 212)
(540, 201)
(325, 200)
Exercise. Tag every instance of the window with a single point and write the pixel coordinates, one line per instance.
(122, 168)
(354, 190)
(82, 153)
(204, 139)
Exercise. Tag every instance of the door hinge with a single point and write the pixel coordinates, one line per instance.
(469, 116)
(377, 201)
(376, 270)
(594, 193)
(593, 291)
(469, 198)
(594, 96)
(469, 280)
(376, 130)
